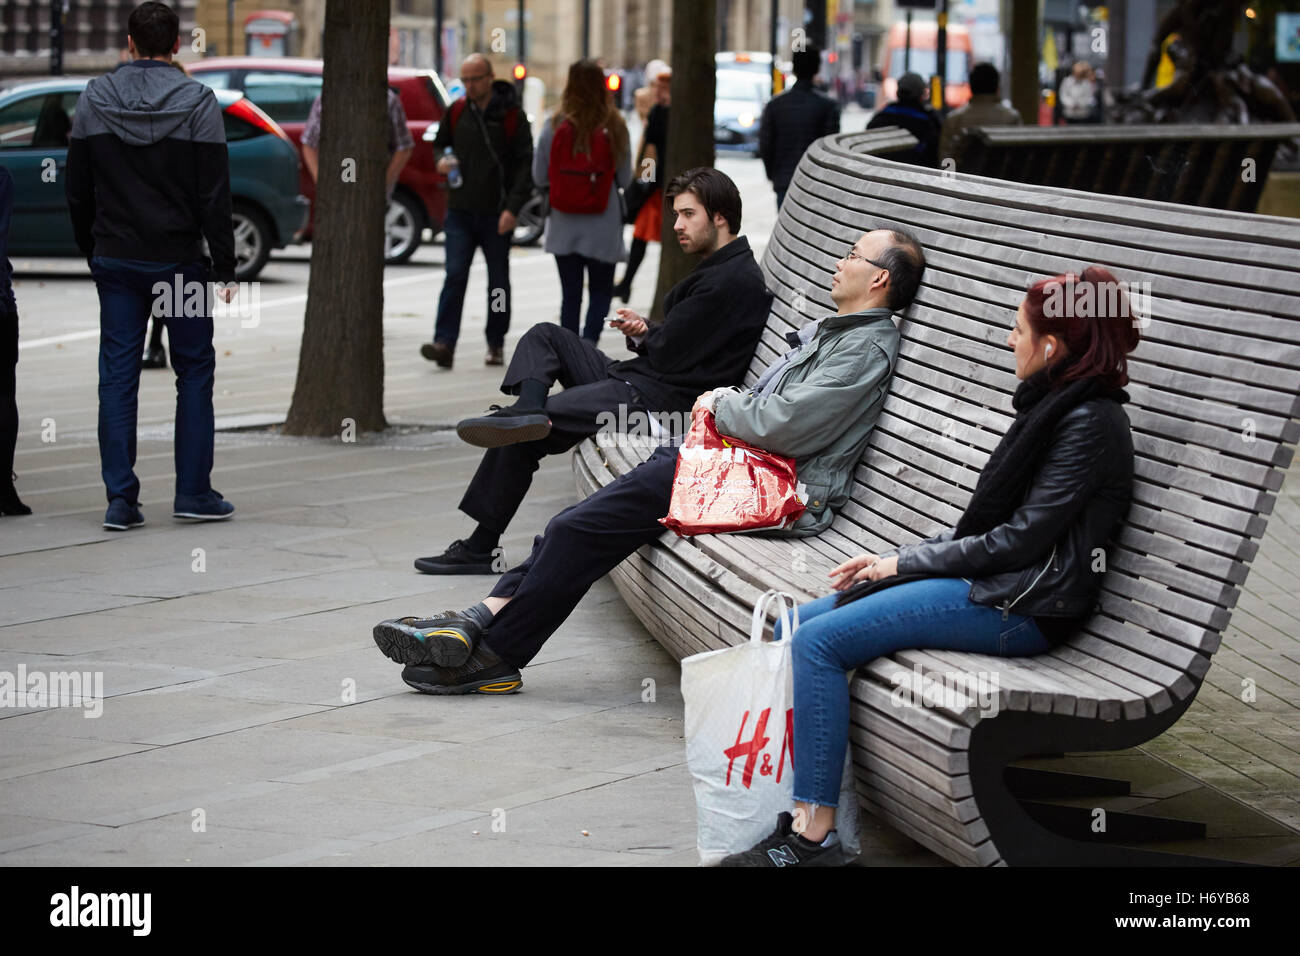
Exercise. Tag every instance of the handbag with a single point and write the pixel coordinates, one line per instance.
(723, 484)
(634, 196)
(739, 729)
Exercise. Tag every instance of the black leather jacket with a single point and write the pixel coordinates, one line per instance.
(1045, 560)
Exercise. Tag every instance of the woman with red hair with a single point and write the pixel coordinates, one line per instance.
(1017, 575)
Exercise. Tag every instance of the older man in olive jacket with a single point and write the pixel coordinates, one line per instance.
(816, 404)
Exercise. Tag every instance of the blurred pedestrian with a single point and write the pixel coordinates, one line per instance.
(912, 113)
(793, 120)
(583, 158)
(148, 180)
(400, 144)
(647, 224)
(484, 144)
(10, 504)
(984, 109)
(1078, 100)
(647, 96)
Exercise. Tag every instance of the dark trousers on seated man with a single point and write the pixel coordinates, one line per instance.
(553, 355)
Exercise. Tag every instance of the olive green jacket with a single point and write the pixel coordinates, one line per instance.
(822, 410)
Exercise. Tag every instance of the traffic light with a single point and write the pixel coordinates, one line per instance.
(521, 71)
(613, 82)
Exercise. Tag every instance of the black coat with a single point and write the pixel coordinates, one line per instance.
(712, 323)
(1043, 561)
(791, 123)
(921, 122)
(483, 161)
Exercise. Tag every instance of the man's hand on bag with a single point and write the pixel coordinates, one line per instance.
(506, 224)
(865, 567)
(629, 323)
(701, 402)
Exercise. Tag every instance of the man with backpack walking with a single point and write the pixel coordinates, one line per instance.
(485, 148)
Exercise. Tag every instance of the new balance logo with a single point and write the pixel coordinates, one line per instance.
(782, 856)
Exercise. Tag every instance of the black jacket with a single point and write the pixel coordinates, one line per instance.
(1043, 561)
(483, 162)
(148, 175)
(919, 120)
(712, 323)
(790, 124)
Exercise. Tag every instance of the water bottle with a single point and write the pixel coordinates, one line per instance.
(454, 179)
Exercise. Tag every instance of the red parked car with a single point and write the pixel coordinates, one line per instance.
(286, 87)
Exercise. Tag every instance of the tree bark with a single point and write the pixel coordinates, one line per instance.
(340, 386)
(690, 124)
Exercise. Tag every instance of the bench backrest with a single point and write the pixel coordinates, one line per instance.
(1220, 166)
(1215, 383)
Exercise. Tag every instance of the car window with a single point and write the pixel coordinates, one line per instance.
(738, 85)
(18, 121)
(285, 97)
(216, 79)
(237, 129)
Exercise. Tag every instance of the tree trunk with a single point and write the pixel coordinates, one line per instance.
(340, 387)
(690, 124)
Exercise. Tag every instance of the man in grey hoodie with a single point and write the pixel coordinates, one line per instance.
(148, 181)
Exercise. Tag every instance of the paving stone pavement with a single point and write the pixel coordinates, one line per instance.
(248, 718)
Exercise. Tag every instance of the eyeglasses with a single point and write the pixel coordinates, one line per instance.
(475, 79)
(854, 254)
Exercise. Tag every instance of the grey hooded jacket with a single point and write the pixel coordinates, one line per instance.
(822, 408)
(148, 175)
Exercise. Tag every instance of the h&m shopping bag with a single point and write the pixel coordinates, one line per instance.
(740, 739)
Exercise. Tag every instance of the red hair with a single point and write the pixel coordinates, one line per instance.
(1090, 313)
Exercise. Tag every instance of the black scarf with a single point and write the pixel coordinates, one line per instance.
(1006, 476)
(1040, 405)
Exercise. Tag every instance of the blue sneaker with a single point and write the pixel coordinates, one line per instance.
(205, 507)
(122, 516)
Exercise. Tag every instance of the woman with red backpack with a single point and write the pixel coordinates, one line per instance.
(583, 158)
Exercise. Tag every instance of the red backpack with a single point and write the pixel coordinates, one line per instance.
(580, 181)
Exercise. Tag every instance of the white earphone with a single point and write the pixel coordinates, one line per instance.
(1047, 351)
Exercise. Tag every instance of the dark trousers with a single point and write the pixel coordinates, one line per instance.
(126, 299)
(600, 286)
(580, 545)
(549, 354)
(780, 198)
(8, 391)
(463, 232)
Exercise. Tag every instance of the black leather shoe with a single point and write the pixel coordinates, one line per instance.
(483, 673)
(504, 426)
(437, 352)
(154, 358)
(457, 559)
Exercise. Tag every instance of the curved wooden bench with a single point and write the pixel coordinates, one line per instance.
(1215, 394)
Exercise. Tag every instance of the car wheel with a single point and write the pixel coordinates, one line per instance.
(252, 240)
(530, 223)
(403, 229)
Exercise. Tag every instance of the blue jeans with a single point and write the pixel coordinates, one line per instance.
(829, 642)
(601, 286)
(126, 298)
(463, 233)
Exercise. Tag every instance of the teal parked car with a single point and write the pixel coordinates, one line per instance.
(36, 118)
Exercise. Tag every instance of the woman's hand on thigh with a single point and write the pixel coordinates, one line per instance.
(862, 568)
(854, 569)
